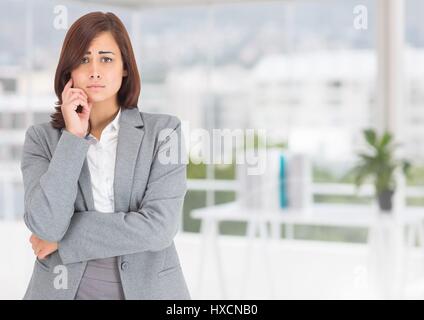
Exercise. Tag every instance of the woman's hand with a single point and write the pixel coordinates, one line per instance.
(76, 123)
(42, 248)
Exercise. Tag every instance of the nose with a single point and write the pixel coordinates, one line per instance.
(94, 75)
(94, 72)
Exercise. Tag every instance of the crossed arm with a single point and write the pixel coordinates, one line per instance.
(81, 236)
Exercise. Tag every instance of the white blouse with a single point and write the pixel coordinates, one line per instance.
(101, 158)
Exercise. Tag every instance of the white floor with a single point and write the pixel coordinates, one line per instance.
(291, 270)
(295, 270)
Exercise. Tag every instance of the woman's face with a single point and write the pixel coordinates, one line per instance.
(101, 69)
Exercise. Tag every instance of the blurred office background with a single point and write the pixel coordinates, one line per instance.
(298, 69)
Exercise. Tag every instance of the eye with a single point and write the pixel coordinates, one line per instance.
(107, 59)
(84, 60)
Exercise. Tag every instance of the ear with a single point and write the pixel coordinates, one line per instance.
(125, 73)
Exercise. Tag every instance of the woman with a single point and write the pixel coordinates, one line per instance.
(102, 199)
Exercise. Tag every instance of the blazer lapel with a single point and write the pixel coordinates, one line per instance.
(84, 183)
(129, 140)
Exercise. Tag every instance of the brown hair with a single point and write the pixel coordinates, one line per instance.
(76, 43)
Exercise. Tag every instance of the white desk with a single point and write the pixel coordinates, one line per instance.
(337, 215)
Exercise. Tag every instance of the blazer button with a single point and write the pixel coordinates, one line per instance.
(124, 265)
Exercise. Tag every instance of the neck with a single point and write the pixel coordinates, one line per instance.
(102, 113)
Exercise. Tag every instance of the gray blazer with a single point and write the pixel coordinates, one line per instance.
(149, 195)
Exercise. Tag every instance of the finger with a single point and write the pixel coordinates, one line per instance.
(84, 93)
(76, 94)
(34, 239)
(34, 244)
(78, 90)
(45, 252)
(66, 88)
(68, 84)
(70, 94)
(87, 109)
(83, 96)
(41, 255)
(78, 101)
(40, 250)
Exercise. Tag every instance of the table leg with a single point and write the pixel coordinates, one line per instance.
(250, 234)
(264, 234)
(254, 226)
(209, 233)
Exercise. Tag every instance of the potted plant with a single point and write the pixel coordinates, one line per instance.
(379, 165)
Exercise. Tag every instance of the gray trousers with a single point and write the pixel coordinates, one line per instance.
(101, 281)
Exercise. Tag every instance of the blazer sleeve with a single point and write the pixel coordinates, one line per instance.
(50, 185)
(96, 235)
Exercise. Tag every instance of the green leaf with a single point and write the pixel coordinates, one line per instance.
(379, 165)
(385, 140)
(370, 136)
(406, 167)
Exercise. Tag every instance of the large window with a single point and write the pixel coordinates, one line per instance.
(301, 70)
(413, 111)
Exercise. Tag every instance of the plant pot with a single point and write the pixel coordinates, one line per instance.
(385, 200)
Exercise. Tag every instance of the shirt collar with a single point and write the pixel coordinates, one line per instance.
(114, 124)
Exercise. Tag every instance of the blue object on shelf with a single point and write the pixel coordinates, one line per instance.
(282, 183)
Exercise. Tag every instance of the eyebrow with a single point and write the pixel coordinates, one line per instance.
(100, 52)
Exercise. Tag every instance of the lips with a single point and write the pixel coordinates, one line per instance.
(95, 87)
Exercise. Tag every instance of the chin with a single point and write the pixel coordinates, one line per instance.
(95, 98)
